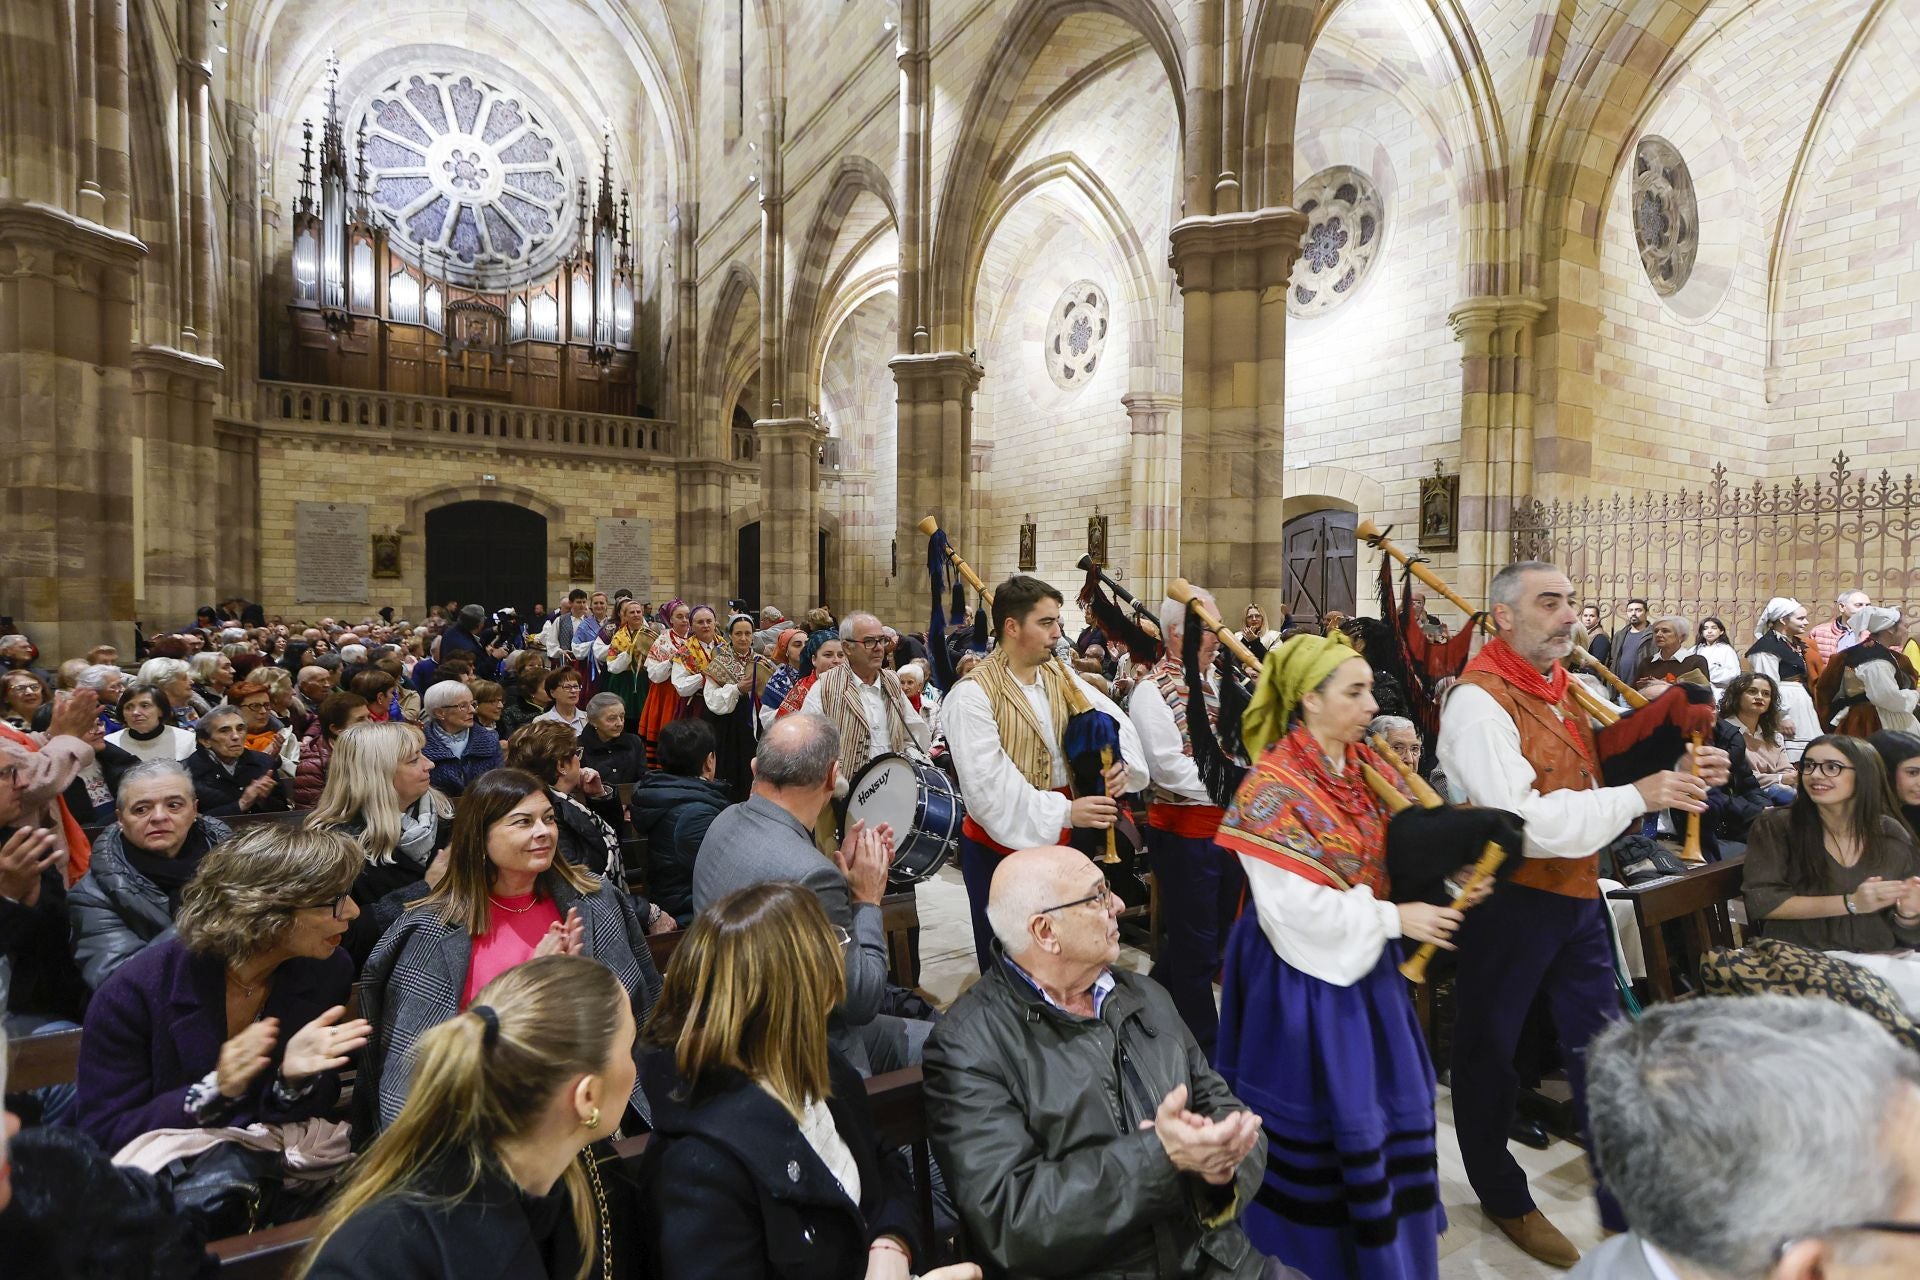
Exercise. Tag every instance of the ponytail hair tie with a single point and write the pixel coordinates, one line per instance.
(492, 1020)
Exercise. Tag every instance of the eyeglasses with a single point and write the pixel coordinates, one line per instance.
(1824, 768)
(842, 937)
(873, 642)
(1103, 897)
(333, 906)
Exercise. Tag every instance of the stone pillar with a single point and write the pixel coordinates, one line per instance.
(789, 512)
(66, 517)
(706, 535)
(933, 400)
(1496, 430)
(173, 415)
(1232, 272)
(1154, 514)
(913, 52)
(241, 332)
(703, 531)
(237, 550)
(196, 242)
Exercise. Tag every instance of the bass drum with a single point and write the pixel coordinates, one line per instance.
(921, 805)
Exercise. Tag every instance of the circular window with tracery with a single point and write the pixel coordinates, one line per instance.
(1345, 225)
(1076, 334)
(1666, 215)
(462, 170)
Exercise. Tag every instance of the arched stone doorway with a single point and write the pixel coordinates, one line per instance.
(489, 553)
(1319, 548)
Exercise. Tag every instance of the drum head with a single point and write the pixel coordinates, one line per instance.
(886, 791)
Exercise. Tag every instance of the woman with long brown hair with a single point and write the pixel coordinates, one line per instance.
(488, 1168)
(506, 898)
(764, 1160)
(1838, 870)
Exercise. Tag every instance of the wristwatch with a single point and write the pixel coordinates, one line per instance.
(1848, 899)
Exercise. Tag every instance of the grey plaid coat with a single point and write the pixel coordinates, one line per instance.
(413, 980)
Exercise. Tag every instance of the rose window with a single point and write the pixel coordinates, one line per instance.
(1076, 334)
(1345, 226)
(1666, 215)
(465, 174)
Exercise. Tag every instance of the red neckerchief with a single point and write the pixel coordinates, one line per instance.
(1499, 658)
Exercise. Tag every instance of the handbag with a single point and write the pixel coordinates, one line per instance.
(231, 1189)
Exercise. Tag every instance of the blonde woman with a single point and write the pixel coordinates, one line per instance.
(379, 793)
(487, 1170)
(764, 1161)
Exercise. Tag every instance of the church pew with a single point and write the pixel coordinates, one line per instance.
(899, 1114)
(1698, 900)
(35, 1062)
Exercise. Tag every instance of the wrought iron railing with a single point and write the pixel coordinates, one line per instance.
(1722, 551)
(470, 422)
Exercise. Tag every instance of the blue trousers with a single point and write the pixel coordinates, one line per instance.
(1519, 943)
(1198, 886)
(977, 863)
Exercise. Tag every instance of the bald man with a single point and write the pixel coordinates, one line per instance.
(1048, 1180)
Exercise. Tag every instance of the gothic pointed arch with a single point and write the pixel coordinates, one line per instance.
(814, 277)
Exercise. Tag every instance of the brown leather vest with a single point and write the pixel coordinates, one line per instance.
(1559, 764)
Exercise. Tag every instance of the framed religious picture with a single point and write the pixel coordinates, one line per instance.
(1097, 540)
(1439, 511)
(580, 560)
(386, 555)
(1029, 547)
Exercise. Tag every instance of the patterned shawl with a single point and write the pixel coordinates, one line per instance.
(778, 686)
(1296, 813)
(796, 696)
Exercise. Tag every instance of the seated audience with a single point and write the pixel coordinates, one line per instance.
(605, 745)
(563, 688)
(505, 899)
(1757, 1138)
(551, 753)
(315, 684)
(766, 837)
(1070, 1108)
(672, 808)
(17, 653)
(485, 1170)
(265, 733)
(460, 749)
(403, 694)
(1752, 703)
(281, 700)
(50, 762)
(43, 990)
(763, 1148)
(140, 868)
(213, 675)
(228, 778)
(530, 700)
(107, 684)
(174, 679)
(489, 702)
(379, 794)
(337, 713)
(89, 797)
(378, 688)
(1835, 871)
(1900, 755)
(239, 1016)
(22, 694)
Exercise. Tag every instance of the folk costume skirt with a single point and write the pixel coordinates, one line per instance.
(662, 705)
(1342, 1083)
(631, 687)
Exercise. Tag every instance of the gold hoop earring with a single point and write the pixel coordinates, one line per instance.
(592, 1122)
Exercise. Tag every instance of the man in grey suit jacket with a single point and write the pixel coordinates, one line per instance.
(1762, 1136)
(769, 837)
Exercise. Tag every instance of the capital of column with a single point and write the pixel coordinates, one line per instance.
(165, 369)
(40, 240)
(1148, 410)
(804, 432)
(938, 375)
(1236, 251)
(1477, 320)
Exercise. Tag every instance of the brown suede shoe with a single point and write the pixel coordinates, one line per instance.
(1538, 1238)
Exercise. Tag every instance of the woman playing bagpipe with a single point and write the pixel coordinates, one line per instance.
(1317, 1030)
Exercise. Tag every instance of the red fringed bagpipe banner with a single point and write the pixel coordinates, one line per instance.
(1115, 621)
(1428, 661)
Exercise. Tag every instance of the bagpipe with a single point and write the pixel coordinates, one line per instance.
(1135, 626)
(1090, 740)
(1644, 740)
(948, 634)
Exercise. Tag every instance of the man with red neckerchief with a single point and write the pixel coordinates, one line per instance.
(1513, 738)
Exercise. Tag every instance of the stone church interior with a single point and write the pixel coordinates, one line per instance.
(319, 322)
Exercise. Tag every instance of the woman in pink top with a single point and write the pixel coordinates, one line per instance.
(506, 898)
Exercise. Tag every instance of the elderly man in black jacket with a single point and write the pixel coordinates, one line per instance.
(140, 867)
(1080, 1128)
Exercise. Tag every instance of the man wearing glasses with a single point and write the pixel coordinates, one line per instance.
(863, 699)
(1767, 1136)
(1079, 1125)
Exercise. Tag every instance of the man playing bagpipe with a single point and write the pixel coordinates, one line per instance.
(1512, 737)
(1022, 728)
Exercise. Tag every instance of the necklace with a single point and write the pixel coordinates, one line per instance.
(245, 990)
(606, 1221)
(504, 907)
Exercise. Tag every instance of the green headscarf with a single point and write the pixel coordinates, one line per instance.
(1293, 669)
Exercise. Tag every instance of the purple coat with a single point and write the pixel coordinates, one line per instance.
(156, 1026)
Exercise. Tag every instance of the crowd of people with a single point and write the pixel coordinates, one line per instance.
(259, 861)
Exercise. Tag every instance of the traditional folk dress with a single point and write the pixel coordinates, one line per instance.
(731, 712)
(663, 702)
(1197, 885)
(625, 655)
(1869, 687)
(1317, 1031)
(1795, 668)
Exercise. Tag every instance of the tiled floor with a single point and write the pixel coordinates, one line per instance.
(1471, 1249)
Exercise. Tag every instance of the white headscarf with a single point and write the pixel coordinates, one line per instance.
(1871, 619)
(1777, 608)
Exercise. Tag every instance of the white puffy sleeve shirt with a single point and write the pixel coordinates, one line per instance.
(1163, 745)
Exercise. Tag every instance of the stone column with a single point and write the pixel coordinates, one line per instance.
(789, 512)
(913, 52)
(237, 551)
(241, 346)
(1155, 512)
(933, 400)
(705, 533)
(1232, 272)
(180, 474)
(1496, 430)
(196, 100)
(66, 518)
